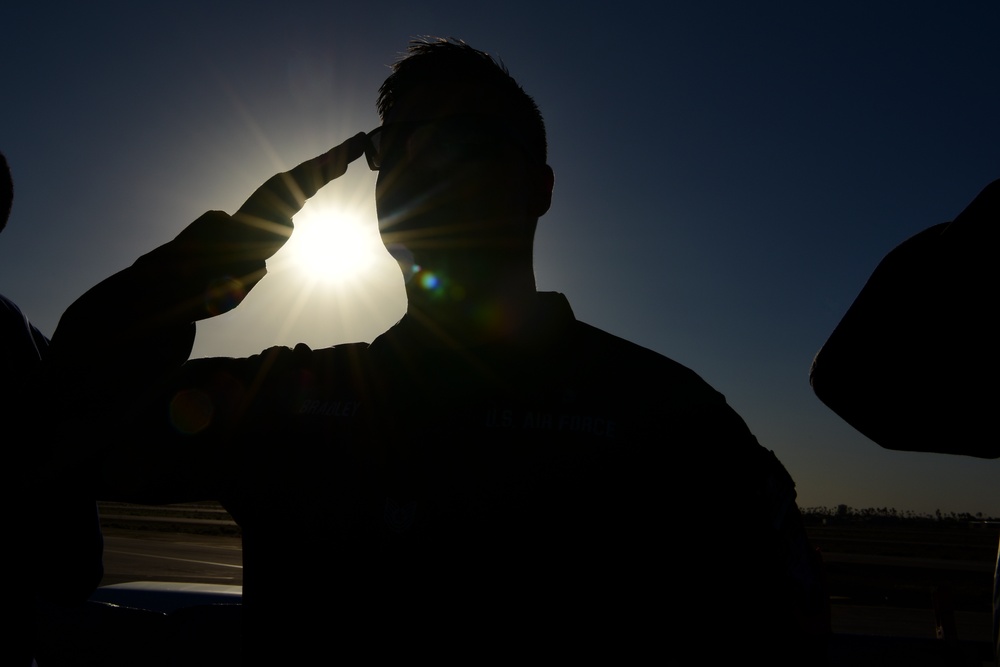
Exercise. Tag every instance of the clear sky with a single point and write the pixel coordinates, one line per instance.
(728, 174)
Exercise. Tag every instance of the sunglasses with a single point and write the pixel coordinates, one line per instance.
(463, 134)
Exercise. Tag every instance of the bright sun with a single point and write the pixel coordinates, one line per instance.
(332, 245)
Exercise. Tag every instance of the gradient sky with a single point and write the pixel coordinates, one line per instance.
(728, 174)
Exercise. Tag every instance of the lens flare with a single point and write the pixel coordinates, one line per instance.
(429, 281)
(191, 411)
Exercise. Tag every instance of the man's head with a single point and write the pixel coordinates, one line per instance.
(6, 191)
(453, 64)
(462, 151)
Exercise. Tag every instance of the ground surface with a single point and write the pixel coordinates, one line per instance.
(912, 592)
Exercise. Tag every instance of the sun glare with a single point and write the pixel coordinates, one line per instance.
(331, 245)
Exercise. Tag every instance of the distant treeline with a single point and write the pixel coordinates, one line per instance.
(846, 513)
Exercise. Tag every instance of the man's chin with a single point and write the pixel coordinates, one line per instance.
(402, 254)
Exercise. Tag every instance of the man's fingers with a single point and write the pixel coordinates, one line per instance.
(283, 195)
(313, 174)
(262, 225)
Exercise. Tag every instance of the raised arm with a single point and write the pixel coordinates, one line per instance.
(125, 339)
(208, 269)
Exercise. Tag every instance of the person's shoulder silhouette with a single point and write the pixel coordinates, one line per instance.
(906, 365)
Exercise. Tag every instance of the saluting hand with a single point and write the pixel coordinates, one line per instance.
(220, 257)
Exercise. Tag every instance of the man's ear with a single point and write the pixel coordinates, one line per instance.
(543, 181)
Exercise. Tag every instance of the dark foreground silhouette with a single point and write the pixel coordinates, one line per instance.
(489, 478)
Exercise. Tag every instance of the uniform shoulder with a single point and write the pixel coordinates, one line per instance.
(628, 356)
(649, 377)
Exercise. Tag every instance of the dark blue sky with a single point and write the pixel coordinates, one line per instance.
(727, 174)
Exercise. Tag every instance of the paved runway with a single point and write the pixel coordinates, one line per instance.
(864, 635)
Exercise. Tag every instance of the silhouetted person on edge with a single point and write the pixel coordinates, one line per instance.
(912, 362)
(53, 544)
(489, 478)
(908, 365)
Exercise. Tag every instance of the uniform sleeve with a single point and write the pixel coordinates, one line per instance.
(126, 340)
(181, 440)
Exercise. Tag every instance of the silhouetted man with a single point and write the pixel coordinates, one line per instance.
(490, 477)
(53, 544)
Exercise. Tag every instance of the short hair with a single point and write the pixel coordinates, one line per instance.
(6, 191)
(452, 60)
